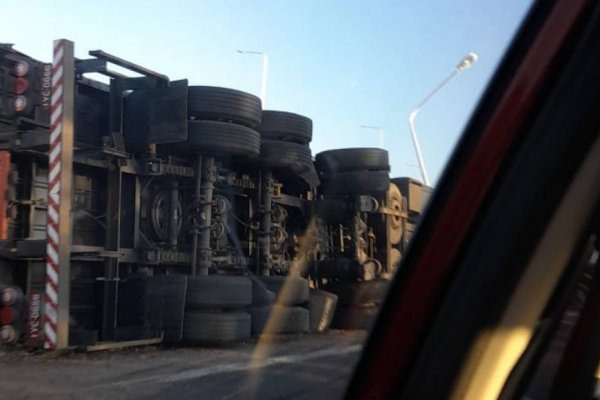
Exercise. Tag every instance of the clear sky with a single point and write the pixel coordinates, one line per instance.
(342, 63)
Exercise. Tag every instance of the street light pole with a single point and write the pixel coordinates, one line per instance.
(263, 75)
(263, 80)
(464, 64)
(380, 131)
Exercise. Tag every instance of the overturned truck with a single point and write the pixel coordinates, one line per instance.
(145, 210)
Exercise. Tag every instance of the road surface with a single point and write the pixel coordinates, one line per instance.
(292, 367)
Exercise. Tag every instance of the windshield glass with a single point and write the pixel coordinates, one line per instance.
(214, 204)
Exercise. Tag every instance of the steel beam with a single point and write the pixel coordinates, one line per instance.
(123, 345)
(264, 235)
(111, 264)
(137, 210)
(209, 176)
(113, 218)
(129, 65)
(195, 231)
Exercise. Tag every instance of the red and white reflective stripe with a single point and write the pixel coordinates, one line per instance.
(53, 237)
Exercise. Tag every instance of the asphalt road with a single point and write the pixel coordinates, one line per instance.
(290, 367)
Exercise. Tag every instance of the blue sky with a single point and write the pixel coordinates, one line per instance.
(341, 63)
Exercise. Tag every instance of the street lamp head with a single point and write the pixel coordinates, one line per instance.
(370, 127)
(467, 62)
(250, 52)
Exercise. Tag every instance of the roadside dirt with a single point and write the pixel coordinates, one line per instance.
(143, 372)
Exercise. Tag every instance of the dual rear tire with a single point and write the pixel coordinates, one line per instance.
(221, 122)
(288, 313)
(353, 171)
(214, 309)
(358, 303)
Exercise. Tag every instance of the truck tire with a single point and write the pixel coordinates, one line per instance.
(279, 154)
(213, 137)
(286, 126)
(216, 327)
(355, 159)
(218, 291)
(273, 320)
(359, 293)
(261, 295)
(395, 202)
(291, 290)
(355, 318)
(355, 183)
(260, 316)
(321, 309)
(293, 156)
(223, 104)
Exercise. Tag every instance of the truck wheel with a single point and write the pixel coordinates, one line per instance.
(396, 223)
(218, 291)
(357, 317)
(358, 293)
(273, 320)
(261, 295)
(395, 256)
(355, 159)
(285, 126)
(279, 154)
(355, 183)
(321, 308)
(216, 327)
(291, 290)
(293, 156)
(220, 138)
(260, 316)
(222, 104)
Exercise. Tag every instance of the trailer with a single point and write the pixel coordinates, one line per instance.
(139, 209)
